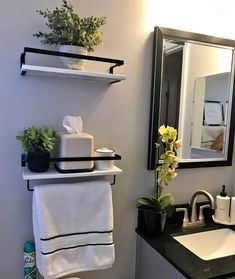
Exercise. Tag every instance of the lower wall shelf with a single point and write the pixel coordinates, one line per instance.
(52, 173)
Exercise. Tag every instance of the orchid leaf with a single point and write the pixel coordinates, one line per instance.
(166, 200)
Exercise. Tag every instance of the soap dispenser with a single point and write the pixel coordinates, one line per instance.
(232, 210)
(222, 206)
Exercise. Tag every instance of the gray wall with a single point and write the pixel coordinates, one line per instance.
(116, 115)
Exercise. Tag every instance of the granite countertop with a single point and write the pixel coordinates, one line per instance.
(185, 261)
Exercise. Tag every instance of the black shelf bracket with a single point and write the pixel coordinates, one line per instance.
(116, 62)
(28, 186)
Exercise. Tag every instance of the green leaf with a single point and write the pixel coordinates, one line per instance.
(67, 28)
(145, 201)
(37, 140)
(166, 200)
(151, 203)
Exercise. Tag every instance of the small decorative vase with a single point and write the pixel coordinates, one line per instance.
(73, 63)
(151, 222)
(39, 162)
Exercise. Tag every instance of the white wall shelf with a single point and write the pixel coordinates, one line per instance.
(33, 70)
(110, 77)
(52, 173)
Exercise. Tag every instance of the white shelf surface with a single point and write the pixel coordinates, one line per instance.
(52, 173)
(68, 73)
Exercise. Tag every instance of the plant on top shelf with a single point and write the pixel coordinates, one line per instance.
(159, 201)
(67, 28)
(72, 33)
(38, 142)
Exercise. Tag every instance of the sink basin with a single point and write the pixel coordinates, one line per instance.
(209, 245)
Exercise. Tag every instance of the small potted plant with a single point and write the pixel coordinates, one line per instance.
(37, 142)
(153, 209)
(72, 33)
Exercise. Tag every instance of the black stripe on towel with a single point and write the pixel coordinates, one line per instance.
(68, 234)
(78, 246)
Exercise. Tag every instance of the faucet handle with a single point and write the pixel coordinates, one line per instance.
(185, 220)
(201, 215)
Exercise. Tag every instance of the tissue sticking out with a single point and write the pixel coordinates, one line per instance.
(73, 124)
(74, 143)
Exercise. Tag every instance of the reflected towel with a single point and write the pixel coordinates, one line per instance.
(210, 134)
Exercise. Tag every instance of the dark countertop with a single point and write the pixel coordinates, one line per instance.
(186, 262)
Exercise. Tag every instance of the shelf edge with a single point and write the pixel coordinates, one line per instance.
(53, 174)
(50, 71)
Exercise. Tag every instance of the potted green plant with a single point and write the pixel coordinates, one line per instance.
(72, 33)
(153, 209)
(37, 142)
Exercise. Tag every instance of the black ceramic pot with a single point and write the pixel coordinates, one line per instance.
(151, 222)
(39, 162)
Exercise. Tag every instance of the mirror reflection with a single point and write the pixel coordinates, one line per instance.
(210, 112)
(195, 94)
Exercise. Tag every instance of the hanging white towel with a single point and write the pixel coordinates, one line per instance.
(73, 226)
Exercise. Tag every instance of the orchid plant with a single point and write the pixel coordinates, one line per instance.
(164, 172)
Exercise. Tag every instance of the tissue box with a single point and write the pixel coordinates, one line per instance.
(74, 145)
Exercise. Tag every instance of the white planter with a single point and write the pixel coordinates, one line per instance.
(73, 63)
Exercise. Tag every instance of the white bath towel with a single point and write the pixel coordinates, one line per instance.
(73, 226)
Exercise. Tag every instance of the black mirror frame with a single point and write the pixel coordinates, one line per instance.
(157, 63)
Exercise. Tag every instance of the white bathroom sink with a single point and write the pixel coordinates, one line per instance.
(210, 245)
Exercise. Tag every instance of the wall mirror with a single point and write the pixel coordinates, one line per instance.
(193, 90)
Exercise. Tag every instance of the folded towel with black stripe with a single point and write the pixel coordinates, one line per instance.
(73, 226)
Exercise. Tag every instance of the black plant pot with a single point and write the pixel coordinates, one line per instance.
(151, 222)
(39, 162)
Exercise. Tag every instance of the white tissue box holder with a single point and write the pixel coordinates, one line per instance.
(74, 145)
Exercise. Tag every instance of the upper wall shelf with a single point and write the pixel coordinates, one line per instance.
(61, 72)
(67, 73)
